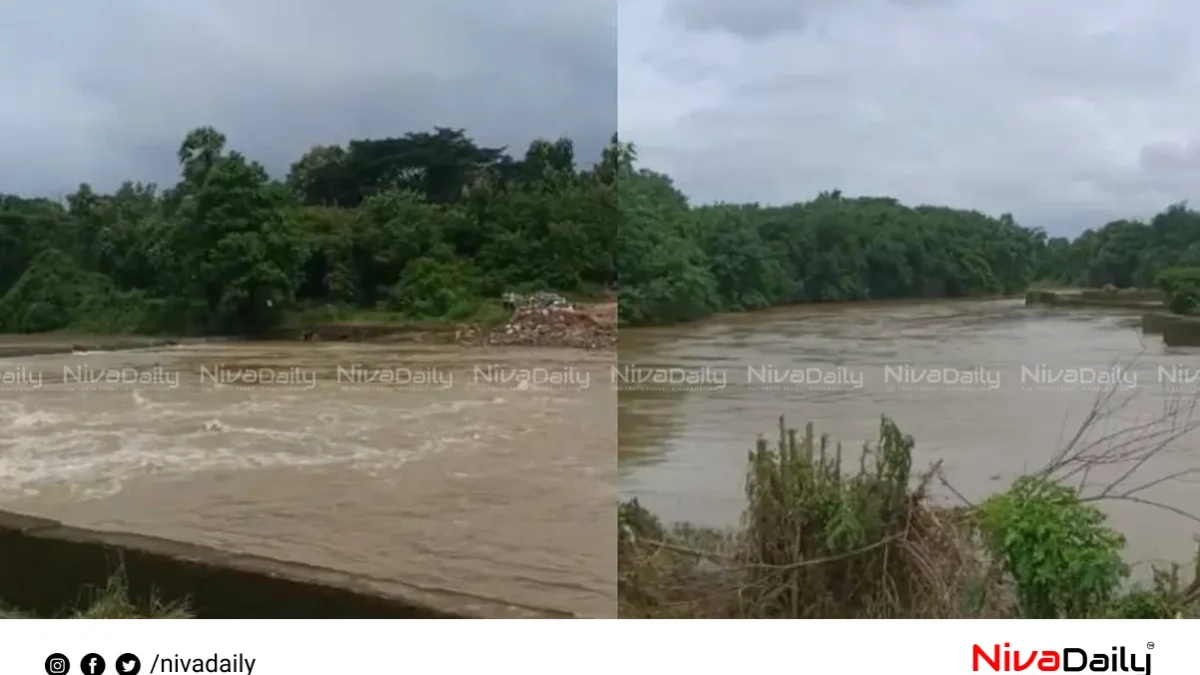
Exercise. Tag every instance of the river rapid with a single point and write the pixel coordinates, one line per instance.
(433, 466)
(990, 388)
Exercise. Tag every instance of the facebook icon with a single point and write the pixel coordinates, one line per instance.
(92, 664)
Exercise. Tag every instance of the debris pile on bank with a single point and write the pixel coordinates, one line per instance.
(548, 320)
(539, 300)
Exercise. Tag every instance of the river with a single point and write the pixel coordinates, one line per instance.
(1015, 384)
(428, 465)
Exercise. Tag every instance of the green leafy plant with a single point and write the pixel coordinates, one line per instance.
(817, 541)
(1185, 299)
(1182, 288)
(1063, 558)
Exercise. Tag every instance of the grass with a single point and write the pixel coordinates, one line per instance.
(817, 541)
(112, 602)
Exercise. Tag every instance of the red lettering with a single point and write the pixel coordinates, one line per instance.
(1022, 666)
(1007, 660)
(978, 653)
(1050, 661)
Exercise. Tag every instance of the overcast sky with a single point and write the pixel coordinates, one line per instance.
(104, 91)
(1067, 114)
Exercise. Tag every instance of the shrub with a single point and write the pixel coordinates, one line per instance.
(814, 543)
(818, 542)
(1064, 560)
(1182, 288)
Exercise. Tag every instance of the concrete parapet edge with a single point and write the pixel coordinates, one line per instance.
(45, 566)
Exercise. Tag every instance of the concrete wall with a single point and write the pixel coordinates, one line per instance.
(1154, 322)
(1181, 331)
(45, 566)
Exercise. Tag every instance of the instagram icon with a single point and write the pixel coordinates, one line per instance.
(57, 664)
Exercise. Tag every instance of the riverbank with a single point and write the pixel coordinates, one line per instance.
(1137, 299)
(821, 305)
(584, 325)
(1119, 299)
(14, 346)
(818, 542)
(590, 326)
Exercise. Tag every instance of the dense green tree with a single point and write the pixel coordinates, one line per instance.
(429, 225)
(432, 225)
(679, 261)
(1125, 253)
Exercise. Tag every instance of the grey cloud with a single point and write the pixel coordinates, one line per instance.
(757, 19)
(752, 20)
(1168, 158)
(1065, 114)
(111, 95)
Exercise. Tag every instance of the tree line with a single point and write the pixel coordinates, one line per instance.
(1163, 252)
(425, 225)
(432, 225)
(679, 262)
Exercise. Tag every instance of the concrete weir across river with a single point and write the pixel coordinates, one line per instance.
(391, 461)
(1016, 383)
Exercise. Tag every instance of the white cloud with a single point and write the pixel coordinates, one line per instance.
(1061, 113)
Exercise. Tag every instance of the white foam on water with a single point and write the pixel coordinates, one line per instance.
(37, 418)
(91, 451)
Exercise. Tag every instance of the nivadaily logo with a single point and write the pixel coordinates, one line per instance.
(1068, 660)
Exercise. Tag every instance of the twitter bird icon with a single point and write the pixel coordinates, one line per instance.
(128, 664)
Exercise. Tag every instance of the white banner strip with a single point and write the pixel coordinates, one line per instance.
(554, 647)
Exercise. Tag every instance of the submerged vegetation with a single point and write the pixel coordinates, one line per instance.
(425, 226)
(817, 541)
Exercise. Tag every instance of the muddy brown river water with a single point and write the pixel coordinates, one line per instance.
(408, 463)
(416, 469)
(1015, 384)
